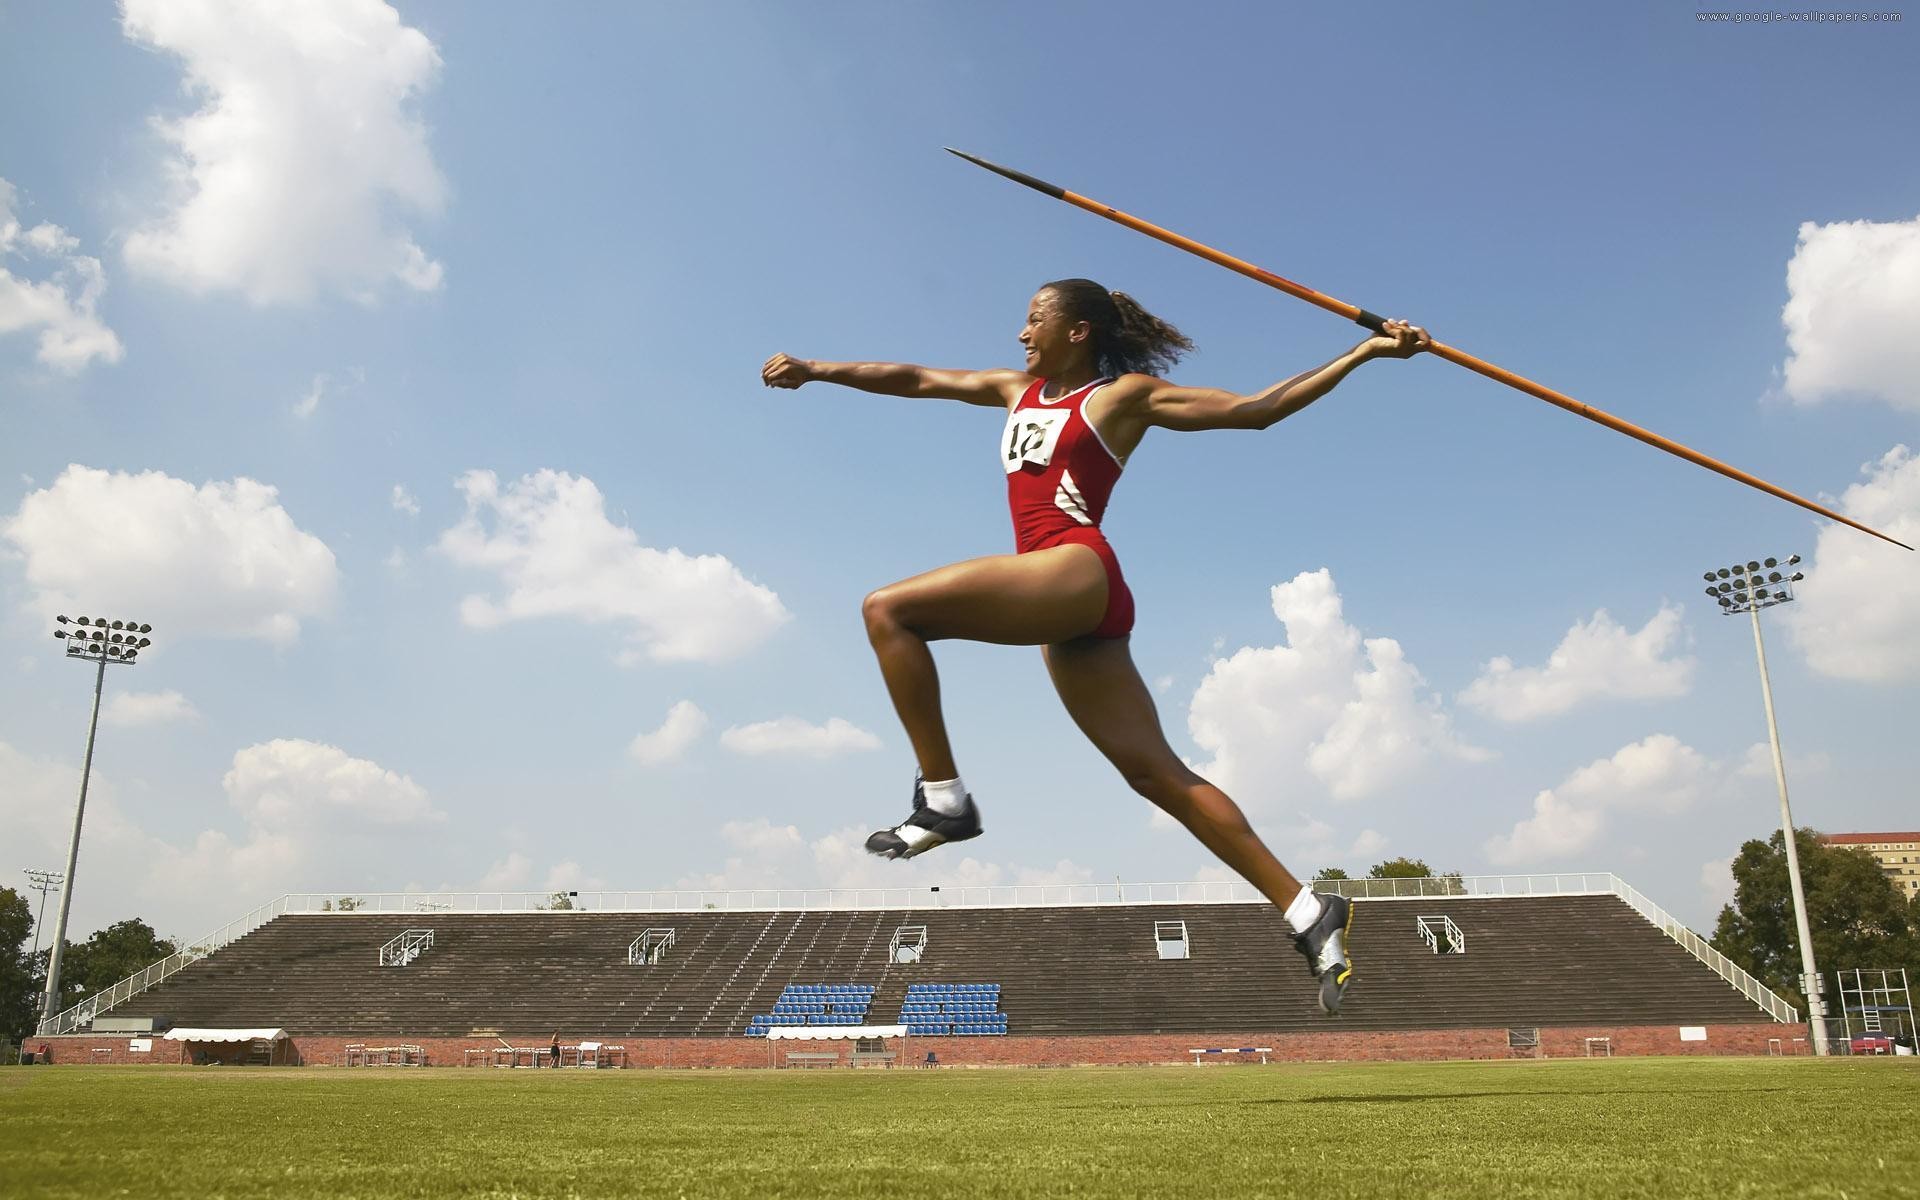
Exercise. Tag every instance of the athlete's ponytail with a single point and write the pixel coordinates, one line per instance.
(1126, 337)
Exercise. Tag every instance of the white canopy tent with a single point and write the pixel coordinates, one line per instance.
(836, 1033)
(225, 1035)
(816, 1033)
(275, 1039)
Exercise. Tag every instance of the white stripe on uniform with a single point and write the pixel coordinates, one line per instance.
(1068, 500)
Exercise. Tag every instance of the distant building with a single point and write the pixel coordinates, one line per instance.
(1897, 853)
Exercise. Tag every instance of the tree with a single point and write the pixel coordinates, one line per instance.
(107, 957)
(560, 902)
(1451, 884)
(1857, 917)
(19, 981)
(1331, 873)
(1400, 868)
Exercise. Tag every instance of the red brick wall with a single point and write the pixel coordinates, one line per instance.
(1332, 1046)
(89, 1047)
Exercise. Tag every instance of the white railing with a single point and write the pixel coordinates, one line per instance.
(83, 1012)
(908, 944)
(646, 949)
(1434, 928)
(406, 947)
(1170, 940)
(1429, 887)
(1697, 946)
(998, 896)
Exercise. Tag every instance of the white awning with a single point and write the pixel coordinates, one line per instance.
(225, 1035)
(816, 1033)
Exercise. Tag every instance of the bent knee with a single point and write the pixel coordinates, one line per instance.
(880, 610)
(1161, 780)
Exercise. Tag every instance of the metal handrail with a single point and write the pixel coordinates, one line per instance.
(996, 896)
(83, 1012)
(1456, 940)
(1697, 946)
(409, 945)
(648, 947)
(666, 900)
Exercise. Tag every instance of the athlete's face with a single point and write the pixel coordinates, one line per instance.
(1052, 341)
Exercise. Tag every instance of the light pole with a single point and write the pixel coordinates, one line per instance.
(100, 641)
(1747, 588)
(42, 882)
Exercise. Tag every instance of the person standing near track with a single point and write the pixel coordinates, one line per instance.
(1085, 398)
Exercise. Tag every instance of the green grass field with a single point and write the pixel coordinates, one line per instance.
(1602, 1128)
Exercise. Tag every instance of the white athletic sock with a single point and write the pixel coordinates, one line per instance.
(1305, 910)
(947, 797)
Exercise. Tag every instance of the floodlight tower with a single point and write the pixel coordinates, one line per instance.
(100, 641)
(42, 882)
(1747, 588)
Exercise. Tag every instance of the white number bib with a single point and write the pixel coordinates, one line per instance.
(1031, 435)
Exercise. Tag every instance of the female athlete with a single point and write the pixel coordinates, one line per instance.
(1076, 412)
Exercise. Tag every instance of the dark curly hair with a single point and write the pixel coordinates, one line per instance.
(1126, 337)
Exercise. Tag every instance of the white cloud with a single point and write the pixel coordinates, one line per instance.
(1368, 843)
(1857, 613)
(290, 783)
(148, 708)
(1853, 301)
(548, 538)
(307, 808)
(309, 403)
(510, 874)
(303, 815)
(1558, 828)
(761, 854)
(325, 386)
(224, 559)
(683, 726)
(791, 735)
(570, 876)
(1355, 714)
(1758, 763)
(1658, 775)
(515, 873)
(292, 176)
(404, 502)
(1596, 659)
(62, 307)
(1716, 883)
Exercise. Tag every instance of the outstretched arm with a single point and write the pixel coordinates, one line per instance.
(1157, 402)
(996, 388)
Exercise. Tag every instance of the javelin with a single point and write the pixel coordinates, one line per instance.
(1376, 323)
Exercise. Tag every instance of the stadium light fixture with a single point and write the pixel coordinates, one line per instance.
(91, 645)
(1752, 592)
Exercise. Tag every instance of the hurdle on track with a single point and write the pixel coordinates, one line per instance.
(1199, 1055)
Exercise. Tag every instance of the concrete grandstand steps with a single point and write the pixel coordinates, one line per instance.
(1564, 960)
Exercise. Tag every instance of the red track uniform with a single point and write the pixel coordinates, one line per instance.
(1059, 475)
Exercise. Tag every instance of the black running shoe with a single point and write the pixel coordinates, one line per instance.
(1325, 948)
(925, 829)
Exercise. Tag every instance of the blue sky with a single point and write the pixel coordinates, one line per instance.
(481, 293)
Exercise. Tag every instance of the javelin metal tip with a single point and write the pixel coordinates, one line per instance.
(1038, 185)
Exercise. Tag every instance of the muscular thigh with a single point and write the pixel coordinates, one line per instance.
(1013, 599)
(1107, 699)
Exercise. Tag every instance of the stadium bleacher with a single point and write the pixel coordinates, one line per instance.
(1585, 959)
(953, 1009)
(831, 1004)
